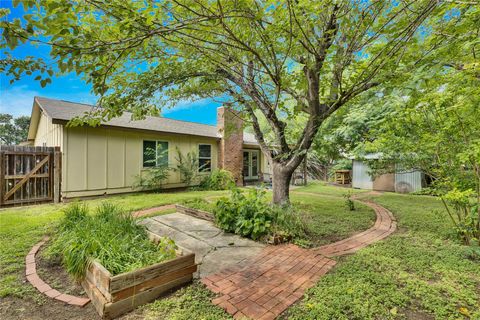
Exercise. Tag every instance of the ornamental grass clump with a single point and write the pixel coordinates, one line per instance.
(110, 236)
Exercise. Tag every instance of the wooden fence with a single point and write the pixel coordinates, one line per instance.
(29, 175)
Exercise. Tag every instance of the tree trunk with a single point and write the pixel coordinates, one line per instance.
(281, 184)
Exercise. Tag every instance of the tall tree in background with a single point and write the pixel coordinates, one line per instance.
(269, 59)
(13, 130)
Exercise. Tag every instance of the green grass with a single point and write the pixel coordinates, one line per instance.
(192, 302)
(324, 189)
(327, 219)
(23, 227)
(420, 272)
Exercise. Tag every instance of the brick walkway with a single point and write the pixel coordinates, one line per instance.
(266, 286)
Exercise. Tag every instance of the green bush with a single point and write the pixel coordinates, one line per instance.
(251, 215)
(218, 179)
(110, 236)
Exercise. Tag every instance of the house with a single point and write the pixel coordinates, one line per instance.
(106, 159)
(402, 181)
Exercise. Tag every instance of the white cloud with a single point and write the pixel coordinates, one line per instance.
(17, 101)
(188, 105)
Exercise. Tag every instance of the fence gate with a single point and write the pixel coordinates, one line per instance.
(29, 175)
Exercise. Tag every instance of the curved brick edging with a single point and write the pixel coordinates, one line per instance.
(40, 285)
(147, 212)
(279, 276)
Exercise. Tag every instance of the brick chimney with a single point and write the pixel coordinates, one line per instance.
(230, 155)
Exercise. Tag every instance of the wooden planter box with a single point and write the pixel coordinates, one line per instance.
(113, 296)
(195, 213)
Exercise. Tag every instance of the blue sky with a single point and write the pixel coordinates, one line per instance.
(17, 98)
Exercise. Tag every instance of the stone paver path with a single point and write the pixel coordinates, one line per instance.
(214, 249)
(267, 285)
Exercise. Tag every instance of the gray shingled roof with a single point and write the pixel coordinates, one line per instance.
(61, 110)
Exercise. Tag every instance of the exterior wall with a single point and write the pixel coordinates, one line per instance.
(230, 158)
(408, 181)
(105, 161)
(385, 182)
(361, 179)
(48, 134)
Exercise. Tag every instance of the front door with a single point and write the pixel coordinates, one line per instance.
(250, 164)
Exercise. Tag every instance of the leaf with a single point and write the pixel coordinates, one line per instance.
(464, 311)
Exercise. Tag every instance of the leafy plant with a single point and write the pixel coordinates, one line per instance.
(187, 166)
(349, 203)
(154, 177)
(462, 210)
(110, 236)
(251, 215)
(218, 179)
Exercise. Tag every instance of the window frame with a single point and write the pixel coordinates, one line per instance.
(156, 152)
(205, 158)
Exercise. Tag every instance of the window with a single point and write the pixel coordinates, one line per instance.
(155, 153)
(204, 158)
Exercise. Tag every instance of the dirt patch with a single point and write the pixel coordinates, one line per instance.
(53, 273)
(39, 306)
(19, 309)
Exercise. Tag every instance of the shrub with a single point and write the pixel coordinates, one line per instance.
(187, 167)
(110, 236)
(251, 215)
(349, 203)
(218, 179)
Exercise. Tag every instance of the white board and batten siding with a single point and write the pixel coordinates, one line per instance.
(361, 179)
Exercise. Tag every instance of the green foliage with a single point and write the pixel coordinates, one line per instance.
(416, 273)
(13, 131)
(191, 302)
(187, 167)
(155, 176)
(250, 214)
(218, 179)
(247, 214)
(110, 236)
(463, 212)
(349, 203)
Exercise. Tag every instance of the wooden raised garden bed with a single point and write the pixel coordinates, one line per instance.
(113, 296)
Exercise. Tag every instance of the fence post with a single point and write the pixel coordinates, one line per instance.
(57, 175)
(2, 176)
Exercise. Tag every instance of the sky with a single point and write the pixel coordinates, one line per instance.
(17, 98)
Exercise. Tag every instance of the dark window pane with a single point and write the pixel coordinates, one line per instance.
(204, 165)
(162, 153)
(254, 164)
(149, 155)
(205, 151)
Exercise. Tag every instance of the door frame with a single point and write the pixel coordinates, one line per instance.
(250, 162)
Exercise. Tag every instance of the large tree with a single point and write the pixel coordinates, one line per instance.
(266, 58)
(13, 130)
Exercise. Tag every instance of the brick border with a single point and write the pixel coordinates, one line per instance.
(146, 212)
(40, 285)
(279, 276)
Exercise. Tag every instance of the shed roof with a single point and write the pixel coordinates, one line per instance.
(63, 111)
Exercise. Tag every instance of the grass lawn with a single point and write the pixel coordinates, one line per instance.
(419, 272)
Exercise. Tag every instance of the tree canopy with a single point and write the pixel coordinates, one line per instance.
(13, 130)
(273, 59)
